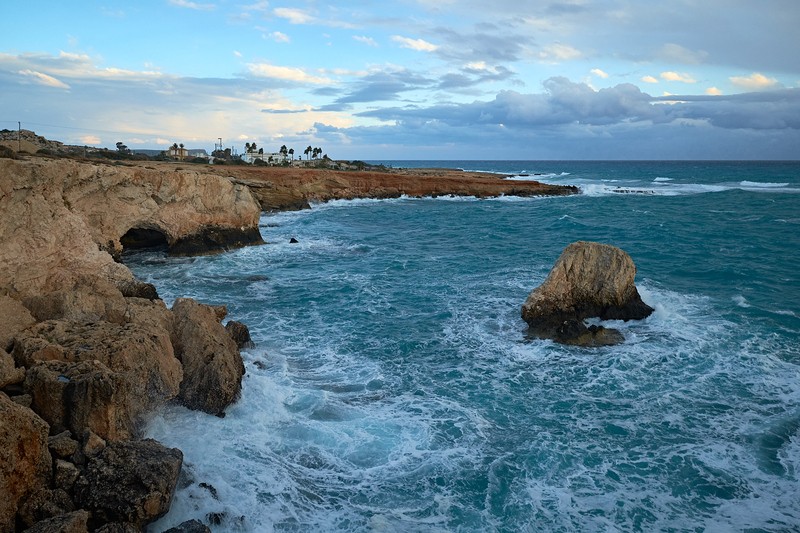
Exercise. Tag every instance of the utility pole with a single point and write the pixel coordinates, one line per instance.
(19, 137)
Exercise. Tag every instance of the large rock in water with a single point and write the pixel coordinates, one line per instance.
(588, 280)
(212, 365)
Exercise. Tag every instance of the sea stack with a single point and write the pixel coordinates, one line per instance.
(589, 280)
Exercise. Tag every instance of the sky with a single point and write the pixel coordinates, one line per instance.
(411, 79)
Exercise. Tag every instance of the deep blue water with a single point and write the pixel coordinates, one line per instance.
(393, 387)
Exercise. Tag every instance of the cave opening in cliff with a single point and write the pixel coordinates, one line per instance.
(148, 239)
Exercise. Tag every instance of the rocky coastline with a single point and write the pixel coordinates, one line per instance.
(87, 351)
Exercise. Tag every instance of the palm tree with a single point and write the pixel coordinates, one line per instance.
(291, 153)
(283, 151)
(307, 151)
(253, 147)
(247, 147)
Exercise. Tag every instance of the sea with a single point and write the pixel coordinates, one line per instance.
(393, 387)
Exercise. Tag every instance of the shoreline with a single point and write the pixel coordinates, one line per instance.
(88, 351)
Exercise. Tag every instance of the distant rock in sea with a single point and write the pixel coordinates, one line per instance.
(589, 280)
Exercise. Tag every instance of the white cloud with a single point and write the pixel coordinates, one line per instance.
(599, 73)
(649, 79)
(369, 41)
(237, 53)
(192, 5)
(265, 70)
(90, 140)
(713, 91)
(279, 37)
(559, 52)
(677, 76)
(294, 16)
(44, 79)
(754, 82)
(419, 45)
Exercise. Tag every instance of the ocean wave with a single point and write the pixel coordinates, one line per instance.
(758, 184)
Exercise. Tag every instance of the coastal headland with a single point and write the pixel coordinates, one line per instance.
(87, 351)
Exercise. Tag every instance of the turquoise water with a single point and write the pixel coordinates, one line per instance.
(393, 387)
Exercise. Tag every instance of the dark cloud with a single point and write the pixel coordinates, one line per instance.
(770, 110)
(471, 76)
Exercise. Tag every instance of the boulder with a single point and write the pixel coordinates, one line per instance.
(44, 504)
(190, 526)
(9, 373)
(62, 445)
(74, 522)
(14, 317)
(86, 394)
(25, 463)
(141, 354)
(212, 365)
(588, 280)
(129, 481)
(240, 334)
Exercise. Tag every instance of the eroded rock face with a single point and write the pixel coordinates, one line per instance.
(588, 280)
(141, 356)
(14, 317)
(212, 365)
(129, 481)
(25, 463)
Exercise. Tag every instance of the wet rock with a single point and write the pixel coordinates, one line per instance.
(240, 334)
(212, 365)
(134, 288)
(190, 526)
(118, 527)
(293, 241)
(25, 463)
(215, 239)
(588, 280)
(129, 481)
(45, 504)
(62, 446)
(74, 522)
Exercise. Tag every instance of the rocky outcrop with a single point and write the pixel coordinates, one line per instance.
(14, 317)
(74, 522)
(212, 365)
(106, 376)
(130, 482)
(588, 280)
(25, 463)
(240, 334)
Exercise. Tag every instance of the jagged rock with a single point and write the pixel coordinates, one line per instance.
(92, 443)
(190, 526)
(212, 365)
(62, 445)
(14, 317)
(129, 481)
(588, 280)
(44, 504)
(9, 373)
(240, 334)
(118, 527)
(73, 396)
(148, 313)
(134, 288)
(25, 463)
(65, 474)
(74, 522)
(142, 355)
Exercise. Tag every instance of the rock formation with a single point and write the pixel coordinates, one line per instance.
(87, 350)
(588, 280)
(212, 365)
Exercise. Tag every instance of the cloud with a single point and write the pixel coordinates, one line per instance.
(369, 41)
(44, 79)
(279, 37)
(713, 91)
(649, 79)
(293, 15)
(304, 17)
(419, 45)
(754, 82)
(292, 74)
(90, 140)
(192, 5)
(676, 76)
(559, 52)
(675, 53)
(380, 86)
(599, 73)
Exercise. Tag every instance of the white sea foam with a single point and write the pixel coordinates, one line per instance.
(758, 184)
